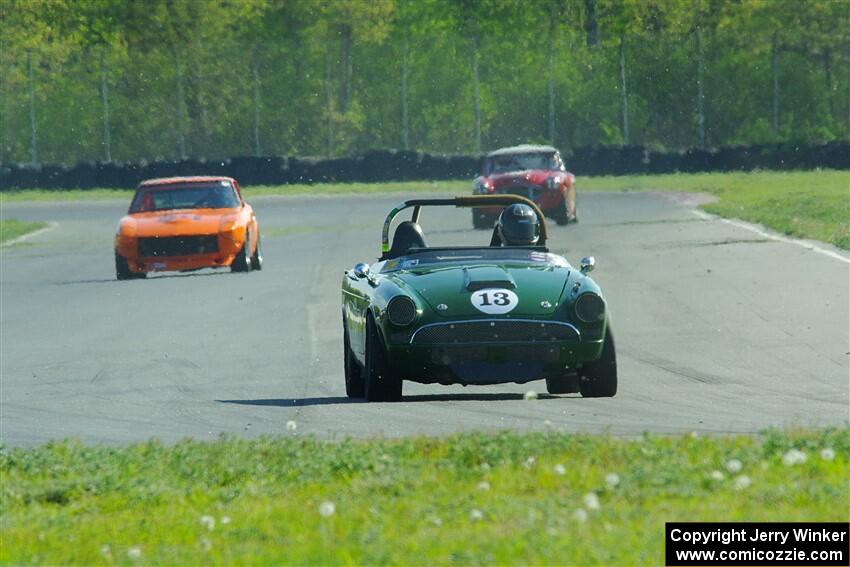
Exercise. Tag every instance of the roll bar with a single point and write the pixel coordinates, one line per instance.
(465, 201)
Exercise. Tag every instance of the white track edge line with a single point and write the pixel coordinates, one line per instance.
(773, 236)
(50, 226)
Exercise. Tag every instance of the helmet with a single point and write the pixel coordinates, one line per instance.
(518, 226)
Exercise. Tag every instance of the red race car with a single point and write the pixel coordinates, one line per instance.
(535, 172)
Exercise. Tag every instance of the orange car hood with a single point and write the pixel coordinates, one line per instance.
(179, 222)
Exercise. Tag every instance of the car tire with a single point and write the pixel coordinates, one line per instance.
(598, 379)
(257, 256)
(242, 262)
(481, 221)
(380, 383)
(123, 271)
(561, 214)
(566, 384)
(355, 386)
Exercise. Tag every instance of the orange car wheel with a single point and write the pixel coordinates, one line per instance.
(257, 256)
(123, 271)
(242, 262)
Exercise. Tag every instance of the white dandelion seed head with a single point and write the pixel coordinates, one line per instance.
(827, 454)
(734, 465)
(717, 475)
(580, 515)
(225, 520)
(612, 480)
(475, 515)
(529, 462)
(206, 544)
(485, 466)
(291, 425)
(793, 457)
(591, 501)
(530, 395)
(551, 531)
(434, 519)
(327, 509)
(694, 434)
(742, 482)
(134, 552)
(208, 522)
(483, 485)
(547, 424)
(105, 550)
(560, 469)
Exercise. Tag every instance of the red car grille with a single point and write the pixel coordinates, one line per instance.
(177, 246)
(499, 331)
(531, 192)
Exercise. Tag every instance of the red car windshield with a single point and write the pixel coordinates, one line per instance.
(522, 162)
(193, 196)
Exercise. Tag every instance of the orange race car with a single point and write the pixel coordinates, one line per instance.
(187, 223)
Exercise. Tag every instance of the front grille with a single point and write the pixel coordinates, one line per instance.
(499, 331)
(177, 246)
(532, 192)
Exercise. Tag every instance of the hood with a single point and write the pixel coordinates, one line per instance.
(177, 222)
(522, 178)
(455, 286)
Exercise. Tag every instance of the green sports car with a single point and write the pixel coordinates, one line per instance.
(473, 315)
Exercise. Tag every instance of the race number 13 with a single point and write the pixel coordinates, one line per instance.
(494, 301)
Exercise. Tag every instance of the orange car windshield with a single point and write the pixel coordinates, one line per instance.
(194, 196)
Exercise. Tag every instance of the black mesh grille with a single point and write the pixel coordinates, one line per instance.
(401, 311)
(474, 332)
(177, 246)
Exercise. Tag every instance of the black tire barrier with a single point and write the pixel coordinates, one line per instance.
(403, 165)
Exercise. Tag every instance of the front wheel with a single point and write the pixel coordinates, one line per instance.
(565, 384)
(242, 262)
(562, 213)
(123, 271)
(355, 386)
(257, 257)
(481, 221)
(381, 384)
(598, 379)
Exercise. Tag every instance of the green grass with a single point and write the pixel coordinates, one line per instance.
(11, 228)
(804, 204)
(404, 501)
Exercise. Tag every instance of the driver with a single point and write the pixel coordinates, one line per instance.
(517, 226)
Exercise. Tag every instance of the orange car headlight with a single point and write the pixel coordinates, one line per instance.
(228, 223)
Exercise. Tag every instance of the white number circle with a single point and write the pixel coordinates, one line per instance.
(494, 301)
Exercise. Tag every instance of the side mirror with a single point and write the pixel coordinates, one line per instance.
(361, 270)
(587, 264)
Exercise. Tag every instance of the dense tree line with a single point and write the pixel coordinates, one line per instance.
(151, 79)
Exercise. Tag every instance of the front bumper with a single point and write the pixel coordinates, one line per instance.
(227, 249)
(503, 355)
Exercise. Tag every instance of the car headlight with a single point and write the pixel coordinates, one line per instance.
(590, 308)
(553, 182)
(228, 223)
(401, 311)
(479, 188)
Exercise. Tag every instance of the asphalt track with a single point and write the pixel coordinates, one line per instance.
(719, 330)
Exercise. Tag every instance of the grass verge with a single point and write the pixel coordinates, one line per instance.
(11, 228)
(471, 499)
(804, 204)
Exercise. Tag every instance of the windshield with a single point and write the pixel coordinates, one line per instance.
(523, 162)
(219, 195)
(466, 256)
